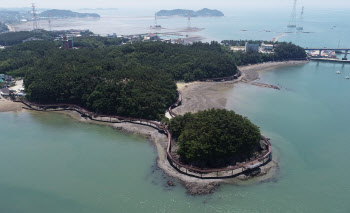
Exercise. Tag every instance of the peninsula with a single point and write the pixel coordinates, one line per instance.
(125, 85)
(185, 13)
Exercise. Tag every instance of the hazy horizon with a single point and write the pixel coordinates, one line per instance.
(179, 4)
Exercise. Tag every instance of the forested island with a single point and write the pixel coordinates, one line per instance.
(200, 13)
(112, 77)
(9, 16)
(136, 80)
(215, 138)
(66, 14)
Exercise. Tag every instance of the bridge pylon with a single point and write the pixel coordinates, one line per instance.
(345, 56)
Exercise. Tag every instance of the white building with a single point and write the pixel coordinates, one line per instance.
(266, 47)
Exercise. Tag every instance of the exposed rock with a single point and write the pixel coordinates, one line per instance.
(170, 183)
(201, 188)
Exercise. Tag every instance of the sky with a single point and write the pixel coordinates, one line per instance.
(173, 4)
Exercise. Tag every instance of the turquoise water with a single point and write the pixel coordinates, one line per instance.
(50, 163)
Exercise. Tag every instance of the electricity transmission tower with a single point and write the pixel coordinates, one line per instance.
(49, 20)
(301, 28)
(293, 16)
(35, 18)
(189, 21)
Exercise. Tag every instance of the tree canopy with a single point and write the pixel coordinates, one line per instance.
(97, 41)
(94, 79)
(11, 38)
(135, 80)
(215, 137)
(282, 51)
(104, 76)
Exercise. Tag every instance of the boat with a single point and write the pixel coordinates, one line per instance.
(338, 72)
(347, 77)
(156, 27)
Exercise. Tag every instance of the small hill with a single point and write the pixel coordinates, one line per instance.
(207, 12)
(67, 14)
(200, 13)
(215, 138)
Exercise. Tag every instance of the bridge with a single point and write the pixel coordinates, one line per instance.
(332, 49)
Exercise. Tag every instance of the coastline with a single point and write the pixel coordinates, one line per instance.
(9, 106)
(196, 96)
(206, 95)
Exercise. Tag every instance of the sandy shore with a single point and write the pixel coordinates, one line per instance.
(9, 106)
(206, 95)
(251, 72)
(194, 186)
(200, 96)
(196, 96)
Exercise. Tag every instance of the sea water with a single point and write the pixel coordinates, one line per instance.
(51, 163)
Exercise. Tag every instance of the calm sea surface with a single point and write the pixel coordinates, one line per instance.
(50, 163)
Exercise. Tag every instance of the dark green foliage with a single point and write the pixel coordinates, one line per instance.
(135, 80)
(282, 51)
(11, 38)
(289, 51)
(215, 137)
(94, 79)
(17, 60)
(97, 41)
(184, 62)
(131, 80)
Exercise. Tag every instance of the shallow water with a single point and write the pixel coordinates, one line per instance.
(50, 163)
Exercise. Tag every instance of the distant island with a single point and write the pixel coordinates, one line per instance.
(67, 14)
(200, 13)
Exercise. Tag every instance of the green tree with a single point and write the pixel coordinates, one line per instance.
(215, 137)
